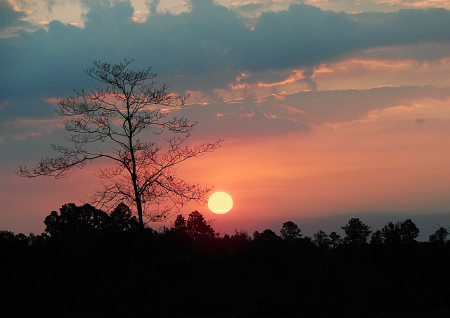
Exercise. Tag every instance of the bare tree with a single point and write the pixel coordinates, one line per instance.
(143, 174)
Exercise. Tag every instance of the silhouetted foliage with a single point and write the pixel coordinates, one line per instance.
(241, 236)
(408, 231)
(391, 233)
(203, 275)
(306, 241)
(15, 242)
(440, 236)
(321, 239)
(377, 238)
(195, 227)
(7, 236)
(356, 232)
(75, 220)
(290, 231)
(335, 239)
(37, 240)
(180, 224)
(266, 235)
(401, 232)
(122, 219)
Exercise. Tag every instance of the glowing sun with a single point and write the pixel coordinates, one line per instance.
(220, 202)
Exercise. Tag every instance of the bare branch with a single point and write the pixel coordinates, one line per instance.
(141, 174)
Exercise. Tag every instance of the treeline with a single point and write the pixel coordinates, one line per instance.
(74, 222)
(90, 263)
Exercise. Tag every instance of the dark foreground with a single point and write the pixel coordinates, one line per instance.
(93, 264)
(124, 274)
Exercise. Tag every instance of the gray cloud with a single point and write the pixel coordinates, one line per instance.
(152, 5)
(10, 18)
(50, 4)
(24, 107)
(251, 117)
(297, 111)
(423, 52)
(239, 120)
(420, 120)
(348, 105)
(306, 36)
(251, 8)
(205, 48)
(308, 73)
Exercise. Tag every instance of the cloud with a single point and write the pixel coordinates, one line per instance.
(306, 36)
(152, 5)
(103, 14)
(239, 120)
(352, 6)
(50, 4)
(308, 74)
(348, 105)
(200, 50)
(33, 108)
(298, 112)
(417, 3)
(249, 118)
(251, 7)
(11, 17)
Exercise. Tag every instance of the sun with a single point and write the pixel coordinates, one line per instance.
(220, 202)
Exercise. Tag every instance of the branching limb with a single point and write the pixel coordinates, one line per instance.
(141, 175)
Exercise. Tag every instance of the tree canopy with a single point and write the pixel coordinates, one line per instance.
(356, 232)
(290, 231)
(74, 221)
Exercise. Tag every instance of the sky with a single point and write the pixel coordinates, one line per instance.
(329, 109)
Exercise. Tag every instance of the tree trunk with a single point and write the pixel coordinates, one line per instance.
(137, 195)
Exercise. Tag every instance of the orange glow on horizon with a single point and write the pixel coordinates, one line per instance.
(377, 163)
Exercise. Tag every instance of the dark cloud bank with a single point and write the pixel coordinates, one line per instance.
(205, 48)
(9, 18)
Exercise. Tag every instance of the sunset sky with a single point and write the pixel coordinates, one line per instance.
(329, 109)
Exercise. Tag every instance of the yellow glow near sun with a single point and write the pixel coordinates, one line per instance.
(220, 202)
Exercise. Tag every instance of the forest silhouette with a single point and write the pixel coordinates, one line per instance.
(89, 263)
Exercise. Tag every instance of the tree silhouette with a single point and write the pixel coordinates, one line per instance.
(122, 219)
(179, 276)
(142, 174)
(266, 235)
(290, 231)
(16, 243)
(391, 233)
(401, 232)
(376, 238)
(195, 227)
(335, 239)
(356, 232)
(440, 236)
(179, 224)
(321, 239)
(241, 236)
(73, 221)
(408, 231)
